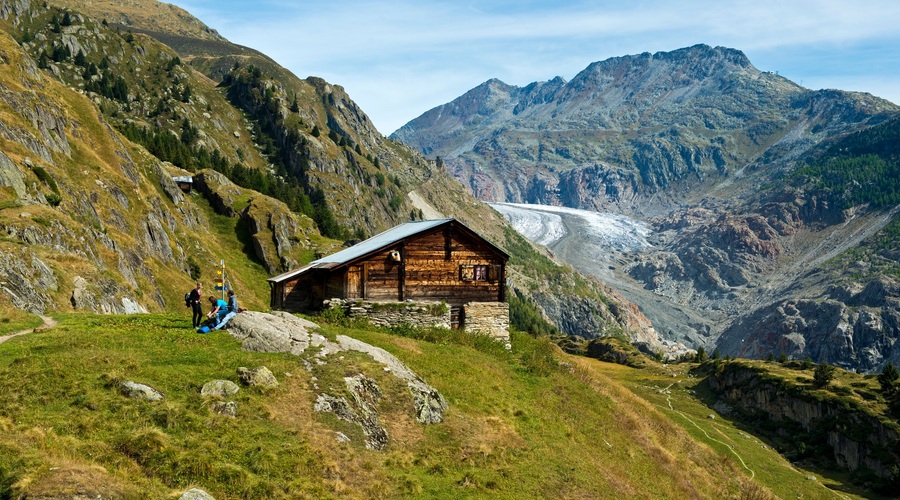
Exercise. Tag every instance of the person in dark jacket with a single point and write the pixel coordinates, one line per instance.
(196, 308)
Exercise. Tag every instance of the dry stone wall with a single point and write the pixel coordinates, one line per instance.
(489, 318)
(388, 314)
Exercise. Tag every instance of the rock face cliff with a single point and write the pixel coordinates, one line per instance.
(808, 420)
(725, 162)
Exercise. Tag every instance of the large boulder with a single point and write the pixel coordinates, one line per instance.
(225, 408)
(283, 332)
(275, 332)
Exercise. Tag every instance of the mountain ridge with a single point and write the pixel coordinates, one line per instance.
(707, 149)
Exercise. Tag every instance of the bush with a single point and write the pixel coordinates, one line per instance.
(823, 375)
(53, 199)
(46, 178)
(193, 268)
(534, 353)
(889, 379)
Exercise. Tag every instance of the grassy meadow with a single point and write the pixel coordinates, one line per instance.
(531, 423)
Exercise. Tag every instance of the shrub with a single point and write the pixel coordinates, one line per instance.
(889, 379)
(336, 315)
(193, 268)
(46, 178)
(823, 375)
(53, 199)
(535, 353)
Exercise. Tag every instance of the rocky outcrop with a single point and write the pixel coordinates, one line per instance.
(362, 410)
(430, 404)
(221, 192)
(857, 439)
(282, 332)
(851, 326)
(104, 296)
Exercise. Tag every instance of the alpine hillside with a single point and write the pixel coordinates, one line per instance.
(103, 103)
(754, 187)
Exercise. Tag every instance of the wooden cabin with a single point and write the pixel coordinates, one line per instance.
(432, 260)
(184, 182)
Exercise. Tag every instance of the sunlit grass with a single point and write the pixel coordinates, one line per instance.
(518, 424)
(685, 398)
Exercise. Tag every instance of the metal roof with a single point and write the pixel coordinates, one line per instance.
(381, 240)
(371, 245)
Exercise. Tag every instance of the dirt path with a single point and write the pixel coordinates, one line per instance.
(48, 323)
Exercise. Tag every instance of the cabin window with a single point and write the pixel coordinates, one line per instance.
(480, 272)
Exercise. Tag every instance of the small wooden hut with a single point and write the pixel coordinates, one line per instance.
(432, 260)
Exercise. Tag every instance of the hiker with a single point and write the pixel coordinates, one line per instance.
(194, 301)
(231, 309)
(218, 311)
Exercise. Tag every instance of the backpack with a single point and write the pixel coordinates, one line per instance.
(187, 299)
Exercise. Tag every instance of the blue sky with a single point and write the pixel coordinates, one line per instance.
(400, 58)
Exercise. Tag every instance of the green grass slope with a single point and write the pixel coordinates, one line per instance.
(686, 399)
(518, 426)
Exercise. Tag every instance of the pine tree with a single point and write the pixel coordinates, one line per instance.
(823, 375)
(889, 379)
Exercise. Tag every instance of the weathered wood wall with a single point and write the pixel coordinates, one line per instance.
(433, 266)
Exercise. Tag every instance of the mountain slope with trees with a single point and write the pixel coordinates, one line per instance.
(100, 115)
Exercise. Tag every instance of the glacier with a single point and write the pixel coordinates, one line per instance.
(545, 225)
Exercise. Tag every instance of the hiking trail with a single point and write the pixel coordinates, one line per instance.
(48, 323)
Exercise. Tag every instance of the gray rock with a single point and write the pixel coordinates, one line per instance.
(196, 494)
(362, 410)
(276, 332)
(81, 297)
(257, 377)
(430, 404)
(219, 388)
(169, 187)
(283, 332)
(139, 391)
(225, 408)
(11, 176)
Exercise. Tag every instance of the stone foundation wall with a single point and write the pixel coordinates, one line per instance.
(489, 318)
(387, 314)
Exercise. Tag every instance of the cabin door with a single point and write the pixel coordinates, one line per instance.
(356, 282)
